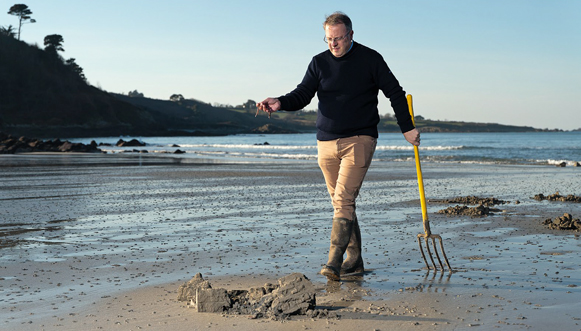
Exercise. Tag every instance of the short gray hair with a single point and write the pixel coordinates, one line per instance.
(338, 18)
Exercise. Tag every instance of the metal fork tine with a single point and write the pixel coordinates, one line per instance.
(430, 253)
(436, 250)
(422, 251)
(444, 254)
(433, 238)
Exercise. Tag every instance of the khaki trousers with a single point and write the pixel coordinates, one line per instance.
(344, 163)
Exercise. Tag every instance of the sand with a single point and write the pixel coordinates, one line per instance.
(104, 242)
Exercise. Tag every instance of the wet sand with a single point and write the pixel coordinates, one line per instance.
(104, 241)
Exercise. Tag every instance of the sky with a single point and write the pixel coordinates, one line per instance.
(514, 62)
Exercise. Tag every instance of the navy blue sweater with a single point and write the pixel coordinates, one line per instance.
(347, 88)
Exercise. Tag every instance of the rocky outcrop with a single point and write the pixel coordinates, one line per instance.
(130, 143)
(12, 145)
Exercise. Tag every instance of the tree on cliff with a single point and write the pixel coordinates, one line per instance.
(176, 98)
(8, 31)
(250, 106)
(135, 94)
(76, 68)
(23, 14)
(53, 43)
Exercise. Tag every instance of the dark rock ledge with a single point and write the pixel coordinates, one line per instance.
(13, 145)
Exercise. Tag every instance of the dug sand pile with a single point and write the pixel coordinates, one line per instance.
(293, 295)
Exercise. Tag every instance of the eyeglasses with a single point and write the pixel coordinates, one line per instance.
(333, 40)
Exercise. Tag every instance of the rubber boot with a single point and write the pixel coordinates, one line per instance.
(340, 236)
(353, 263)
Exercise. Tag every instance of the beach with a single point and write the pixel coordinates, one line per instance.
(102, 241)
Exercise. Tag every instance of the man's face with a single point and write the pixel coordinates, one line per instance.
(338, 39)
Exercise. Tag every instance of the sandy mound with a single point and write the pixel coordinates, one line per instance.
(483, 208)
(468, 211)
(472, 200)
(557, 197)
(293, 295)
(565, 222)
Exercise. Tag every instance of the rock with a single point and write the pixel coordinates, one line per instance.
(74, 147)
(66, 146)
(179, 151)
(562, 164)
(130, 143)
(577, 164)
(11, 145)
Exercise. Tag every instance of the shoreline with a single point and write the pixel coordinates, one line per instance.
(525, 149)
(109, 239)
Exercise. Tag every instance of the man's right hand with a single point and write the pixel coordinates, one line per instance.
(413, 137)
(269, 105)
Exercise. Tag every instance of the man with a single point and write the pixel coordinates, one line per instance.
(347, 79)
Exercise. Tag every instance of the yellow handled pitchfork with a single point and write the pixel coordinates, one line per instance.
(427, 236)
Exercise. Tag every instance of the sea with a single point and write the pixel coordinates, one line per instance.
(518, 148)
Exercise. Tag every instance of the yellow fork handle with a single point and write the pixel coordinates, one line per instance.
(419, 171)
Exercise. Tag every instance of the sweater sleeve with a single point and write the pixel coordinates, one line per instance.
(400, 107)
(302, 95)
(390, 87)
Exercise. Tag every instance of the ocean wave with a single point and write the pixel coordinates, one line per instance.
(557, 162)
(282, 156)
(307, 147)
(436, 154)
(426, 148)
(492, 148)
(245, 146)
(443, 159)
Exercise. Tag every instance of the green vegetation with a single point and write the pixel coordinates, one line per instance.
(8, 31)
(54, 43)
(44, 97)
(23, 13)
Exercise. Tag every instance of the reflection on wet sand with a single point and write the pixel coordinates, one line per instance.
(19, 234)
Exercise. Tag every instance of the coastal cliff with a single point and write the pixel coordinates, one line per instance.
(43, 97)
